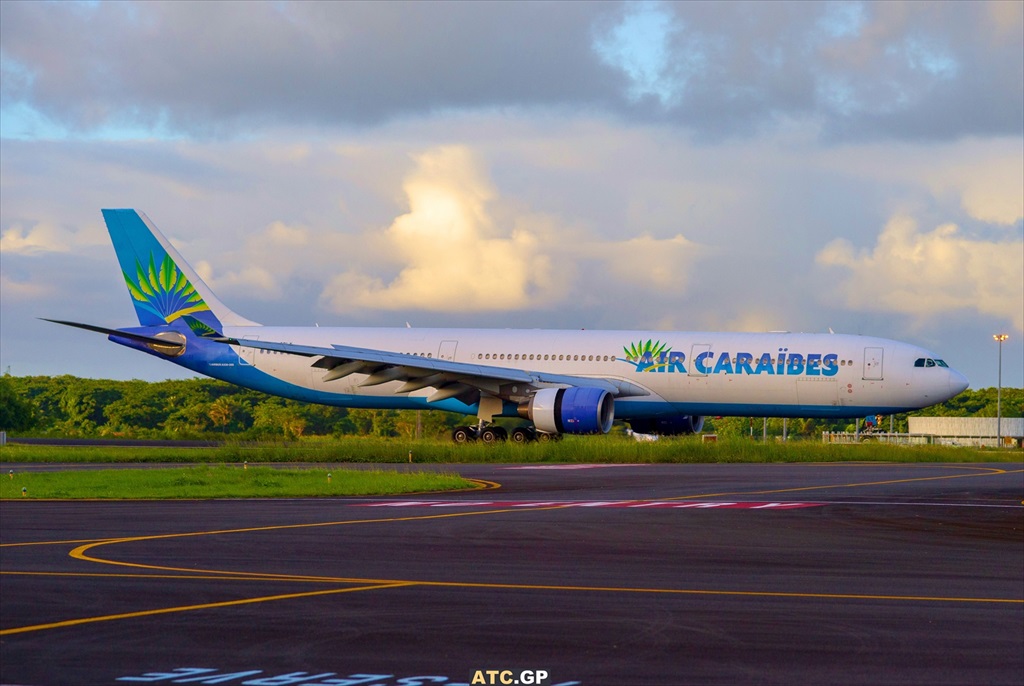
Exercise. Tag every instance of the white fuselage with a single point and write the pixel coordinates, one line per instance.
(699, 373)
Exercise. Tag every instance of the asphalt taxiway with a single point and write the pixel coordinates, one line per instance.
(639, 574)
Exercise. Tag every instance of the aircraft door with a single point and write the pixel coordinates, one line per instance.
(696, 351)
(446, 351)
(247, 356)
(873, 364)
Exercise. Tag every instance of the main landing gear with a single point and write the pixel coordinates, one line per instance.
(495, 434)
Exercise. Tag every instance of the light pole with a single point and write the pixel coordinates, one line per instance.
(999, 338)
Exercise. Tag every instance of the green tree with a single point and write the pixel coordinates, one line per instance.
(141, 409)
(431, 423)
(273, 417)
(80, 407)
(17, 412)
(223, 412)
(189, 420)
(374, 422)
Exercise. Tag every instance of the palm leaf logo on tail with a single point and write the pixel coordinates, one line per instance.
(163, 289)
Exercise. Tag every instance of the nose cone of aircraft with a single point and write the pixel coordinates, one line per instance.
(958, 383)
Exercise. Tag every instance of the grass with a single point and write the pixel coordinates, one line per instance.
(578, 449)
(236, 472)
(221, 481)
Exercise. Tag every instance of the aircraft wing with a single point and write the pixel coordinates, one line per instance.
(449, 379)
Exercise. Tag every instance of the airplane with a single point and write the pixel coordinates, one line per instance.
(561, 381)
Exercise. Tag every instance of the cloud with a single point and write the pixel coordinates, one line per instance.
(25, 290)
(927, 274)
(651, 263)
(990, 187)
(462, 248)
(856, 70)
(268, 259)
(254, 280)
(48, 237)
(454, 254)
(40, 238)
(297, 63)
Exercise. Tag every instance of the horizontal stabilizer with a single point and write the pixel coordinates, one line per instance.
(153, 340)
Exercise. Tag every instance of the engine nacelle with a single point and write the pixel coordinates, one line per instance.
(674, 425)
(573, 410)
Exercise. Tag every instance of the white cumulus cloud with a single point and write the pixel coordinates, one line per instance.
(455, 255)
(41, 238)
(928, 273)
(461, 247)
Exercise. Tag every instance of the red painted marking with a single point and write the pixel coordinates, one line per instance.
(657, 504)
(576, 466)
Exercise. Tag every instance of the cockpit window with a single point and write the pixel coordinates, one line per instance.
(941, 364)
(928, 362)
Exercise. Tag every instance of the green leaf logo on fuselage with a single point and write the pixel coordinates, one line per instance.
(648, 356)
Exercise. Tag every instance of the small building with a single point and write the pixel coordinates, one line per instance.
(974, 431)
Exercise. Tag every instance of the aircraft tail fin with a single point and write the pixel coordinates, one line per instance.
(163, 286)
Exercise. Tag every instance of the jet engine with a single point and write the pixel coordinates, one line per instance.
(573, 410)
(672, 425)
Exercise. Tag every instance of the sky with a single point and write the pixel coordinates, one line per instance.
(695, 166)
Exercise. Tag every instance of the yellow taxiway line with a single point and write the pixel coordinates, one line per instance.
(81, 551)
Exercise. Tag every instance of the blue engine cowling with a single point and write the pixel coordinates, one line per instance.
(573, 410)
(674, 425)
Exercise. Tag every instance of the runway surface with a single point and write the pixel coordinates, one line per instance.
(639, 574)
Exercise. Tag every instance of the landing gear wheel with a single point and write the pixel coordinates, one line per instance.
(523, 434)
(493, 434)
(545, 437)
(463, 434)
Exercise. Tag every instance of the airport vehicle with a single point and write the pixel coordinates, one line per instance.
(563, 382)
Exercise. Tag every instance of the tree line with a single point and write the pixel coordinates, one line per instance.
(207, 409)
(189, 409)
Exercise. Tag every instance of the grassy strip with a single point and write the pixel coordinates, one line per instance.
(221, 481)
(589, 449)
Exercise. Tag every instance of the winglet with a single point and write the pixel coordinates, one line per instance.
(162, 285)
